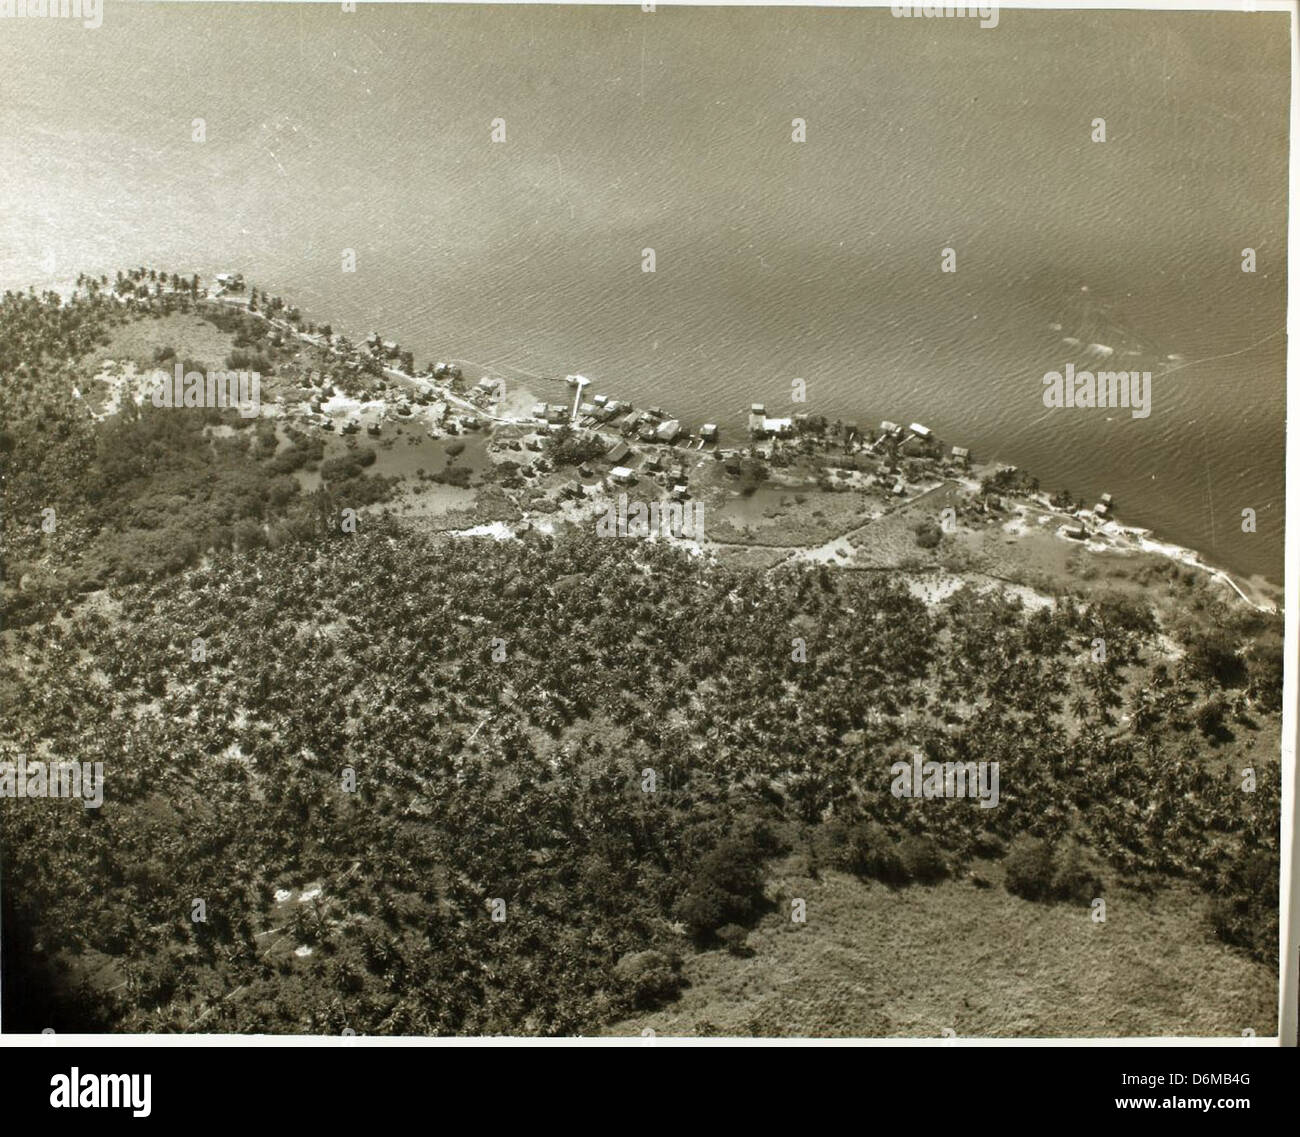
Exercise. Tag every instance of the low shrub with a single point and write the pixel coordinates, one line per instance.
(922, 859)
(1037, 870)
(649, 978)
(1028, 867)
(869, 852)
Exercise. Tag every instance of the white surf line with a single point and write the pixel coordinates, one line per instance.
(1209, 486)
(1143, 541)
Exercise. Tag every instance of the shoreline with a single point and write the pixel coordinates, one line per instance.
(1252, 589)
(1137, 538)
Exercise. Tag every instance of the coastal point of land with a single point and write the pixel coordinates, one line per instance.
(471, 443)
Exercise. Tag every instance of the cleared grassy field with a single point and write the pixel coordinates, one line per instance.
(192, 336)
(878, 962)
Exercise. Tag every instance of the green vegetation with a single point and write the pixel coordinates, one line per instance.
(148, 491)
(355, 779)
(522, 779)
(928, 534)
(1038, 869)
(727, 887)
(458, 476)
(566, 448)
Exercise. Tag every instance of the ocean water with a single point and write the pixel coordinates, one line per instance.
(775, 260)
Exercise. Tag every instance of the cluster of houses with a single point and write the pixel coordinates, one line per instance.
(916, 441)
(1085, 517)
(655, 462)
(389, 349)
(650, 426)
(913, 441)
(407, 406)
(677, 472)
(370, 358)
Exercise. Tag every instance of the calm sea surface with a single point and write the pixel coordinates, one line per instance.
(627, 131)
